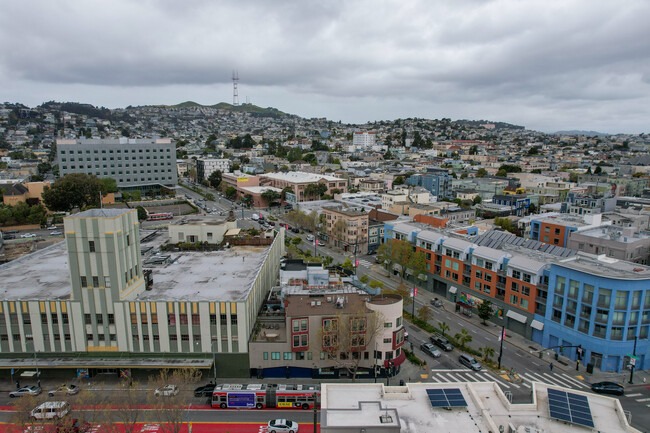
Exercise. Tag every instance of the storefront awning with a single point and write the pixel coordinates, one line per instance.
(537, 325)
(453, 289)
(516, 316)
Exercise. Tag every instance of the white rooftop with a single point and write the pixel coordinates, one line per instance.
(259, 189)
(299, 176)
(356, 405)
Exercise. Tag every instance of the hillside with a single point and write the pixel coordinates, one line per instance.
(248, 108)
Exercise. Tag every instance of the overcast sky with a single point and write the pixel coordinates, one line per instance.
(549, 65)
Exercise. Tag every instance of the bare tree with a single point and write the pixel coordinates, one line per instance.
(345, 337)
(172, 409)
(122, 409)
(21, 416)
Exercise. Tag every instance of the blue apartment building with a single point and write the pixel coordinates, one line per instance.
(436, 180)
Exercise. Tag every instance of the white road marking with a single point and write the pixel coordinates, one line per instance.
(642, 400)
(637, 394)
(575, 381)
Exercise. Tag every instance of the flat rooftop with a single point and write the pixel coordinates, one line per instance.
(361, 405)
(41, 275)
(224, 275)
(300, 177)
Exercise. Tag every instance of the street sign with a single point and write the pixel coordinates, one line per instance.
(414, 292)
(356, 263)
(502, 334)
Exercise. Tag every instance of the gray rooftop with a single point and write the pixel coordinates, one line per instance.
(497, 239)
(101, 213)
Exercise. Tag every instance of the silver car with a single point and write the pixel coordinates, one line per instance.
(282, 426)
(25, 390)
(64, 389)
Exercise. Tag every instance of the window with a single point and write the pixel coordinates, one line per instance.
(88, 319)
(487, 277)
(516, 274)
(514, 287)
(99, 318)
(557, 315)
(523, 303)
(479, 275)
(602, 315)
(213, 319)
(64, 317)
(287, 356)
(604, 297)
(223, 320)
(275, 356)
(84, 282)
(196, 319)
(620, 302)
(587, 294)
(331, 325)
(514, 300)
(560, 282)
(95, 281)
(398, 322)
(91, 246)
(266, 356)
(107, 281)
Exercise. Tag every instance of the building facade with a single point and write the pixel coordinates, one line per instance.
(133, 163)
(436, 180)
(298, 182)
(551, 295)
(364, 139)
(206, 166)
(346, 229)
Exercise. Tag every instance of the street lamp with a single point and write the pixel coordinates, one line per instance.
(214, 360)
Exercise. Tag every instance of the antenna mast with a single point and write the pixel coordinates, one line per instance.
(235, 93)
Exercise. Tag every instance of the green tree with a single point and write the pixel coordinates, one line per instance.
(473, 150)
(215, 179)
(481, 172)
(463, 337)
(142, 213)
(375, 284)
(270, 196)
(477, 200)
(110, 185)
(443, 327)
(296, 241)
(294, 154)
(231, 192)
(364, 279)
(484, 310)
(76, 190)
(348, 265)
(598, 170)
(502, 173)
(425, 314)
(488, 353)
(285, 190)
(399, 180)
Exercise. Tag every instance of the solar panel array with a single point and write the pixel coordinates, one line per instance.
(446, 397)
(495, 238)
(573, 408)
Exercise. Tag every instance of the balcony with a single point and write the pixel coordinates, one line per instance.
(270, 331)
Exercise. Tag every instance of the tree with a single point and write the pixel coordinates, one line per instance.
(484, 310)
(488, 353)
(399, 180)
(463, 337)
(502, 173)
(171, 410)
(231, 192)
(110, 185)
(296, 241)
(477, 200)
(344, 338)
(270, 196)
(375, 284)
(215, 179)
(348, 265)
(315, 189)
(598, 170)
(405, 293)
(481, 172)
(339, 229)
(443, 327)
(142, 213)
(76, 190)
(425, 314)
(364, 279)
(473, 150)
(285, 190)
(294, 154)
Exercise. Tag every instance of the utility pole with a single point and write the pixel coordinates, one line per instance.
(502, 337)
(633, 365)
(315, 412)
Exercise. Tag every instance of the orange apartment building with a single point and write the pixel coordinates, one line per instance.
(351, 234)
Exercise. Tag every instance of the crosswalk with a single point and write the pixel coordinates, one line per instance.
(645, 400)
(558, 379)
(365, 263)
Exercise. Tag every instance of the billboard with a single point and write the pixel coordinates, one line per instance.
(241, 399)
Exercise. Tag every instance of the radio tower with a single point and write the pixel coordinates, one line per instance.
(235, 94)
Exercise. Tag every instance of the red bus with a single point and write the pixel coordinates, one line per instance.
(160, 216)
(259, 396)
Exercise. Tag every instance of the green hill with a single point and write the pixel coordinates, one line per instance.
(248, 108)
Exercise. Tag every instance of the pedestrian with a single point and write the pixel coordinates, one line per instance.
(550, 366)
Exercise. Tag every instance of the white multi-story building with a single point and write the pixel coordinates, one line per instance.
(364, 139)
(133, 163)
(206, 166)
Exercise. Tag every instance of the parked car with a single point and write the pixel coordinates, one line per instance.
(166, 391)
(64, 389)
(321, 243)
(436, 302)
(441, 342)
(271, 223)
(469, 361)
(205, 390)
(310, 237)
(8, 237)
(52, 227)
(28, 235)
(282, 426)
(295, 229)
(25, 390)
(430, 350)
(57, 233)
(608, 388)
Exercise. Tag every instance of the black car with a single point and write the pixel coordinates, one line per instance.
(204, 391)
(295, 230)
(608, 388)
(441, 342)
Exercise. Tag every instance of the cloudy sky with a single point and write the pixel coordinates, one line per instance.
(549, 65)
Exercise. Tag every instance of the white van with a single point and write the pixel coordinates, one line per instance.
(255, 217)
(310, 237)
(51, 410)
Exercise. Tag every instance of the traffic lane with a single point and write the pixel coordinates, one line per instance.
(194, 427)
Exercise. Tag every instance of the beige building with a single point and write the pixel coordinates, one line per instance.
(202, 229)
(298, 181)
(311, 336)
(346, 228)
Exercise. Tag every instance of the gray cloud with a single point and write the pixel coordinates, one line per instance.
(550, 65)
